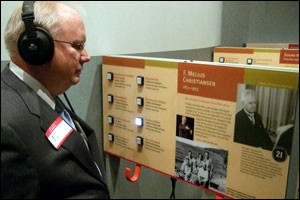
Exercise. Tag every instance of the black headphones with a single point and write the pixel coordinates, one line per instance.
(35, 44)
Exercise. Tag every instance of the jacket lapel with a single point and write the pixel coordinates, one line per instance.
(74, 143)
(92, 142)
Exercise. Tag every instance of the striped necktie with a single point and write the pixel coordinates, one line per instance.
(251, 117)
(64, 114)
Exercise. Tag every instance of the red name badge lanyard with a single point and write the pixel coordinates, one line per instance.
(58, 132)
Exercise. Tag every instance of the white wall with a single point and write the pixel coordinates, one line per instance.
(125, 27)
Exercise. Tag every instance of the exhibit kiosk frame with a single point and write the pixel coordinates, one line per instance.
(179, 118)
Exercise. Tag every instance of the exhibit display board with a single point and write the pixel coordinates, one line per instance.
(183, 119)
(257, 56)
(273, 45)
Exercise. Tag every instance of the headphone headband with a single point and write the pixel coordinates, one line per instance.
(28, 18)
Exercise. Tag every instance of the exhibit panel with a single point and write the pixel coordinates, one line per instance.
(180, 118)
(258, 56)
(273, 45)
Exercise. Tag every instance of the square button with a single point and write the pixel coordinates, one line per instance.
(140, 101)
(139, 121)
(110, 119)
(110, 98)
(139, 140)
(110, 76)
(140, 80)
(221, 59)
(249, 61)
(110, 137)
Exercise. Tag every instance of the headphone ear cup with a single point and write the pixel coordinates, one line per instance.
(36, 50)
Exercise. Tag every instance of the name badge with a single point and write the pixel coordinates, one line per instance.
(58, 132)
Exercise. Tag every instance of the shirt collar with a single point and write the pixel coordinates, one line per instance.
(33, 83)
(249, 114)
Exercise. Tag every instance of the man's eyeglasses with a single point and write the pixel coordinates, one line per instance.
(79, 46)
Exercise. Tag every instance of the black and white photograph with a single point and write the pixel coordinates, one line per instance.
(185, 127)
(201, 164)
(265, 117)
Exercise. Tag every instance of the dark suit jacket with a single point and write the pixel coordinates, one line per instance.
(286, 140)
(30, 165)
(247, 133)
